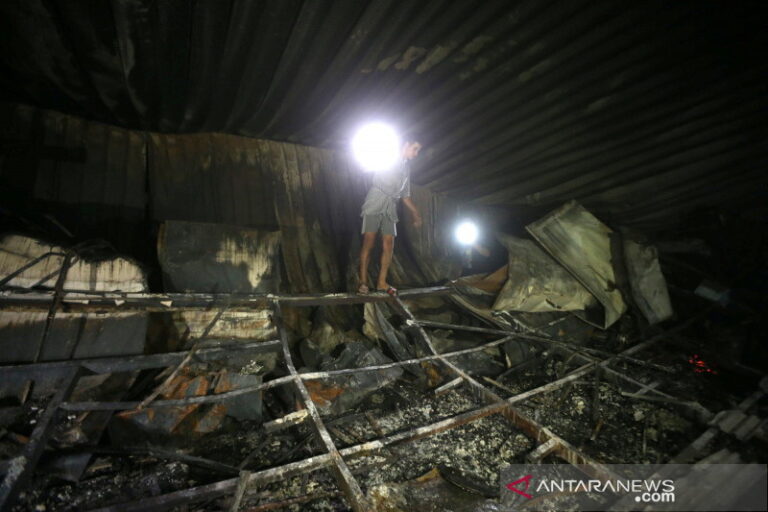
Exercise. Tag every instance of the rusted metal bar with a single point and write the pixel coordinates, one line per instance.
(498, 385)
(456, 353)
(49, 318)
(530, 337)
(99, 365)
(614, 358)
(394, 451)
(20, 468)
(57, 292)
(344, 477)
(111, 406)
(84, 300)
(545, 340)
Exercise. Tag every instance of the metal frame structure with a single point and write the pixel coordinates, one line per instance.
(20, 469)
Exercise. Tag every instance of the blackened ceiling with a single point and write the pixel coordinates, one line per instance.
(643, 110)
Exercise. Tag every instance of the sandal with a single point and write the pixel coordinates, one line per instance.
(363, 289)
(389, 291)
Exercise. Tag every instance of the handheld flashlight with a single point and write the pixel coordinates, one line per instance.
(466, 233)
(376, 147)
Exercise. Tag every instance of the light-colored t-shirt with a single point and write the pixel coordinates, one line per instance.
(387, 188)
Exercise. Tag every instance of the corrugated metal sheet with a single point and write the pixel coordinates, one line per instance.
(638, 110)
(210, 177)
(311, 195)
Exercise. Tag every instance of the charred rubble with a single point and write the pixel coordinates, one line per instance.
(231, 389)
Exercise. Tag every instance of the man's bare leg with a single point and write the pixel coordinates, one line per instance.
(388, 247)
(365, 252)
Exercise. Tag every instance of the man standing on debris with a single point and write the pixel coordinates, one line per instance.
(379, 212)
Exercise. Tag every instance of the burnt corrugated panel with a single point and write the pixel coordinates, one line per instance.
(210, 178)
(300, 205)
(640, 111)
(312, 195)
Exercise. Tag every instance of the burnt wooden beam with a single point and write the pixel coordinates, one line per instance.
(339, 468)
(55, 303)
(20, 468)
(26, 300)
(11, 373)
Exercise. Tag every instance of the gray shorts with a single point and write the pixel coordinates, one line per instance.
(372, 224)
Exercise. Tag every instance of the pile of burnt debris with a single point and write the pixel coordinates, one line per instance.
(115, 398)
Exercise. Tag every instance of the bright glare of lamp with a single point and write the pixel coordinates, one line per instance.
(466, 233)
(376, 147)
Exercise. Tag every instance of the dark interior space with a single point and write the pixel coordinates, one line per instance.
(184, 322)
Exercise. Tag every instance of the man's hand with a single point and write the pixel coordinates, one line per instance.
(417, 222)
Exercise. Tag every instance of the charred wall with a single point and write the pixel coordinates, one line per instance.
(63, 176)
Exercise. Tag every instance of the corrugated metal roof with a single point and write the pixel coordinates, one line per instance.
(639, 110)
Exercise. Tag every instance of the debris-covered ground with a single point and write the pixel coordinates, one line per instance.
(459, 466)
(643, 409)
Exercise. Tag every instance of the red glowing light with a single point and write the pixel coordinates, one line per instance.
(700, 366)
